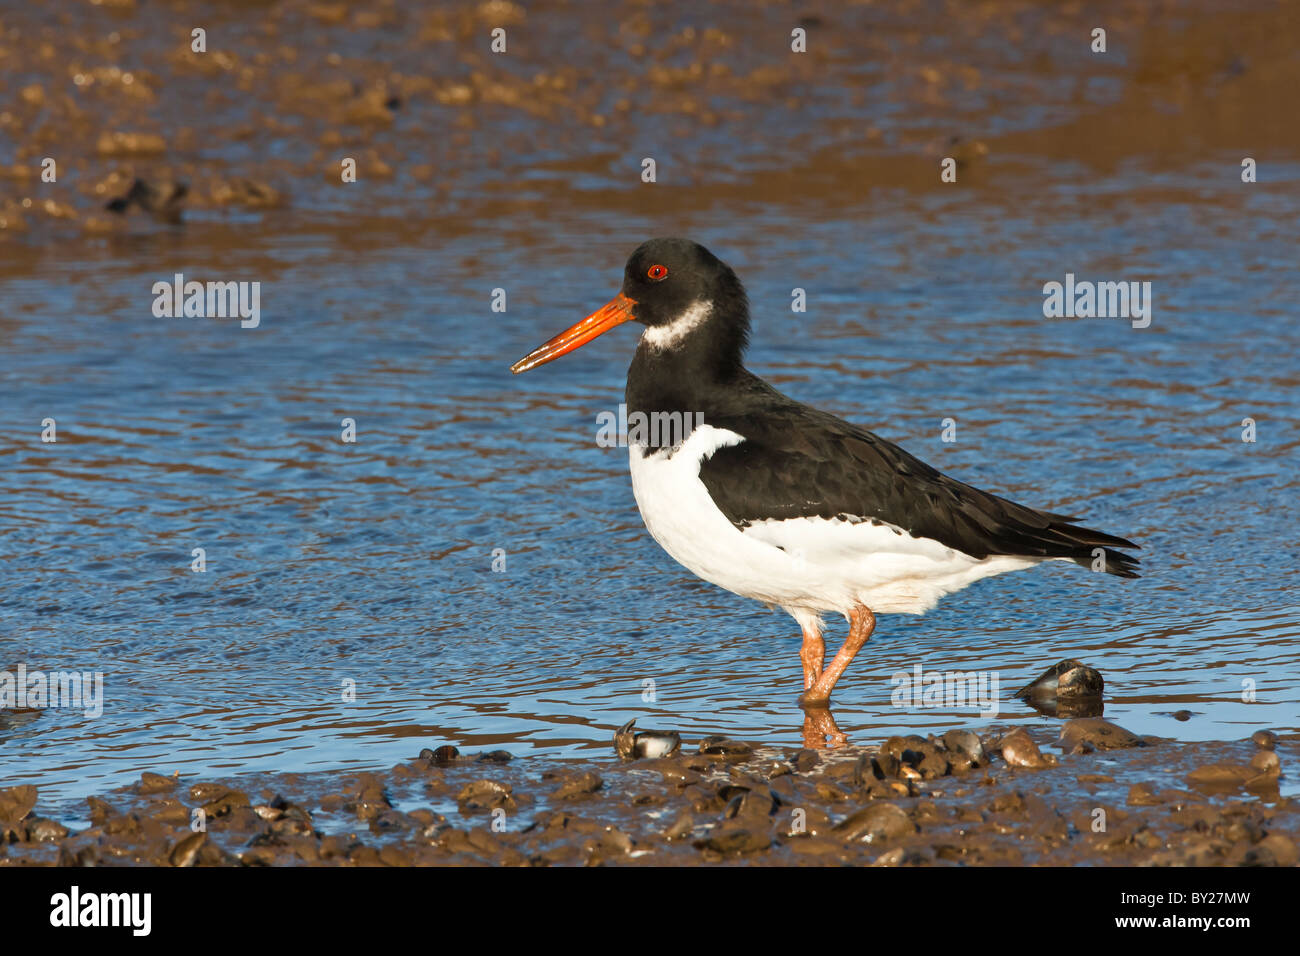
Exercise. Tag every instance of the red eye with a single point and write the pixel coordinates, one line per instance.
(658, 272)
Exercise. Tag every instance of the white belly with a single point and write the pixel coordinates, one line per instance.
(806, 565)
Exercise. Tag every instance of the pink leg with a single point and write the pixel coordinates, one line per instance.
(861, 623)
(813, 656)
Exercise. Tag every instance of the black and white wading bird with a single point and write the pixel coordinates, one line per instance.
(786, 504)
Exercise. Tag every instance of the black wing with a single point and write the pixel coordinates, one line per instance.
(797, 462)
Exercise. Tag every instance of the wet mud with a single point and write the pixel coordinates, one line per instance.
(1098, 795)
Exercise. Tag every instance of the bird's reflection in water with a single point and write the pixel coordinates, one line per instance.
(820, 729)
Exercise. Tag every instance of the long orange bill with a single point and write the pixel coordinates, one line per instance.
(618, 311)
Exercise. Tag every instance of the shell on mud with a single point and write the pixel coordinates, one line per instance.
(632, 744)
(1068, 689)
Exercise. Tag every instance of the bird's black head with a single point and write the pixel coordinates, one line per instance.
(690, 302)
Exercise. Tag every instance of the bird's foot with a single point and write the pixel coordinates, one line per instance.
(812, 698)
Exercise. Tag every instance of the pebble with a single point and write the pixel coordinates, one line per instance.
(17, 802)
(41, 830)
(1084, 734)
(733, 840)
(680, 828)
(186, 851)
(155, 783)
(1276, 849)
(1069, 679)
(1266, 762)
(877, 821)
(583, 785)
(1221, 775)
(725, 747)
(966, 743)
(440, 757)
(484, 795)
(1019, 750)
(1264, 739)
(806, 761)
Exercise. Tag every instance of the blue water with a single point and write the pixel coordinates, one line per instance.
(373, 562)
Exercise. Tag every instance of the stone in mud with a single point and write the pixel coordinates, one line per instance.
(1019, 750)
(370, 800)
(258, 856)
(100, 811)
(1144, 795)
(1266, 762)
(582, 785)
(716, 746)
(680, 828)
(1276, 849)
(1068, 689)
(482, 795)
(612, 845)
(1085, 734)
(41, 830)
(678, 774)
(1068, 679)
(390, 821)
(207, 792)
(830, 792)
(170, 812)
(965, 743)
(424, 817)
(881, 766)
(734, 840)
(752, 804)
(806, 761)
(186, 851)
(124, 824)
(440, 757)
(878, 821)
(17, 802)
(905, 856)
(226, 803)
(775, 769)
(268, 812)
(295, 822)
(1264, 739)
(912, 757)
(1221, 775)
(155, 783)
(248, 193)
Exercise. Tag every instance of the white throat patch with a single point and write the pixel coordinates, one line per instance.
(666, 336)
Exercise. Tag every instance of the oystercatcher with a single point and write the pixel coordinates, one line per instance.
(784, 503)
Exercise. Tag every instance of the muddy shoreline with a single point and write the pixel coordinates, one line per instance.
(1095, 796)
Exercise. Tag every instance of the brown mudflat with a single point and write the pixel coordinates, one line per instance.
(908, 801)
